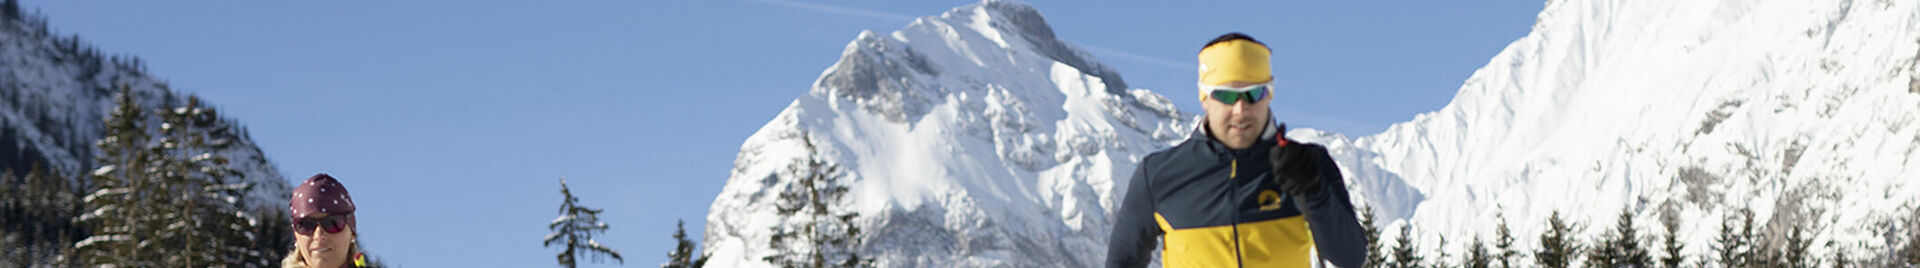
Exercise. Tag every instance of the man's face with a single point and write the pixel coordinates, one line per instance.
(1237, 124)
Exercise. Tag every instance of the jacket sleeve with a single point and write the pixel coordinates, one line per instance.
(1135, 233)
(1337, 235)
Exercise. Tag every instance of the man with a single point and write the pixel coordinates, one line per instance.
(1237, 193)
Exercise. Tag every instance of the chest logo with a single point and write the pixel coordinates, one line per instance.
(1269, 200)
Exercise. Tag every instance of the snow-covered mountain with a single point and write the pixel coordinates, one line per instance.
(1803, 111)
(56, 92)
(975, 138)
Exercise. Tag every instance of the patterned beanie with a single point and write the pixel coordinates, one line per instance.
(322, 194)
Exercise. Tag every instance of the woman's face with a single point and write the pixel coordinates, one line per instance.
(319, 247)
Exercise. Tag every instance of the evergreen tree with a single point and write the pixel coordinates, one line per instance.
(274, 235)
(202, 193)
(1477, 256)
(1602, 255)
(1622, 247)
(682, 254)
(12, 215)
(1760, 253)
(42, 212)
(574, 231)
(1376, 254)
(1795, 252)
(1503, 242)
(1733, 247)
(1440, 260)
(1840, 259)
(1911, 252)
(1405, 252)
(10, 10)
(169, 198)
(122, 207)
(1557, 245)
(823, 238)
(1673, 248)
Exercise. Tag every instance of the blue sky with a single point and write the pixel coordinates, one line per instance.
(452, 122)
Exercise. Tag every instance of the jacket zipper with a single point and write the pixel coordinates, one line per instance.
(1233, 190)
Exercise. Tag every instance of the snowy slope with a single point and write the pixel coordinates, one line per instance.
(56, 91)
(1803, 111)
(973, 138)
(976, 139)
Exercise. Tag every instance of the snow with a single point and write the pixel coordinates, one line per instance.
(974, 148)
(60, 97)
(975, 138)
(1793, 109)
(100, 239)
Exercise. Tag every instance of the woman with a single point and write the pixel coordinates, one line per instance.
(323, 226)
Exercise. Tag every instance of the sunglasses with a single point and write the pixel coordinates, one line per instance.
(333, 224)
(1230, 95)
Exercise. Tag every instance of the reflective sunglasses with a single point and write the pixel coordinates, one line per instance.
(333, 224)
(1230, 95)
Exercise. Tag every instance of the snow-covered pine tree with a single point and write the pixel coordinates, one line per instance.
(1601, 254)
(1910, 254)
(1405, 252)
(122, 208)
(206, 197)
(1731, 246)
(169, 198)
(1376, 253)
(1503, 240)
(1558, 248)
(1477, 256)
(1440, 260)
(574, 231)
(1840, 259)
(1622, 246)
(1673, 246)
(823, 238)
(1760, 253)
(1794, 251)
(682, 255)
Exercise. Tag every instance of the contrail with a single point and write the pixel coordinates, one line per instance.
(838, 9)
(1120, 54)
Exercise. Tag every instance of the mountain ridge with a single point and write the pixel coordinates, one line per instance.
(955, 129)
(58, 91)
(1801, 112)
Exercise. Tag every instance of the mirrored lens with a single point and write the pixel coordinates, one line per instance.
(1227, 97)
(1252, 94)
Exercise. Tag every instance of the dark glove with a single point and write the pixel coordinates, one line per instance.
(1296, 167)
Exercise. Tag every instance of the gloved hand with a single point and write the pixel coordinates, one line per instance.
(1296, 167)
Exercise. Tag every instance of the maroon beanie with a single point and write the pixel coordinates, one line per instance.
(322, 194)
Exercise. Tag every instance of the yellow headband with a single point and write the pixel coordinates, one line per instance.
(1237, 60)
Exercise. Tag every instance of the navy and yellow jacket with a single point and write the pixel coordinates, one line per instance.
(1220, 207)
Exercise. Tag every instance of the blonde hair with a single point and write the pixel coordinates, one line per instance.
(295, 260)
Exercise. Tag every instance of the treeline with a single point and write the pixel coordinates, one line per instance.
(1741, 242)
(161, 195)
(818, 231)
